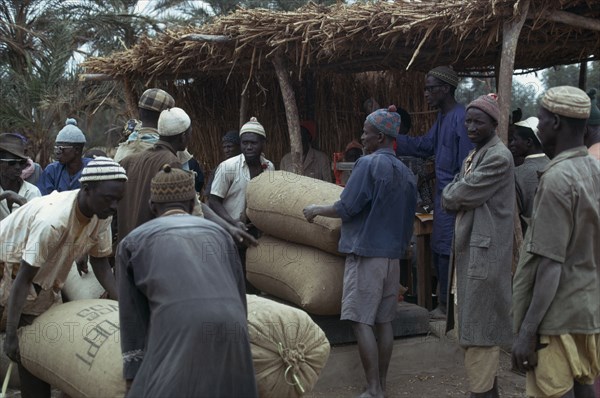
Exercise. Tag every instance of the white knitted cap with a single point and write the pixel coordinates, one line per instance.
(71, 133)
(102, 169)
(253, 126)
(173, 121)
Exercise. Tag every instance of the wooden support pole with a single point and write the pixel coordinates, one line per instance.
(291, 112)
(510, 38)
(95, 77)
(132, 108)
(583, 75)
(205, 38)
(243, 108)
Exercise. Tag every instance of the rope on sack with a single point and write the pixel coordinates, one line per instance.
(292, 357)
(6, 379)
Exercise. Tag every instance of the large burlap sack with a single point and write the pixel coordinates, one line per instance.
(82, 287)
(75, 347)
(275, 200)
(288, 348)
(308, 277)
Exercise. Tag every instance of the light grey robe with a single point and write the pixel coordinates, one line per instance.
(484, 202)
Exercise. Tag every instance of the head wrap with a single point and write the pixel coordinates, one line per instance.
(102, 169)
(155, 99)
(594, 119)
(253, 126)
(488, 104)
(173, 121)
(445, 74)
(13, 144)
(71, 133)
(172, 185)
(567, 101)
(353, 145)
(386, 121)
(232, 136)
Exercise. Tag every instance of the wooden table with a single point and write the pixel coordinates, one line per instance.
(423, 226)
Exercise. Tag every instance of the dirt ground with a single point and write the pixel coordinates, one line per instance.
(433, 382)
(421, 367)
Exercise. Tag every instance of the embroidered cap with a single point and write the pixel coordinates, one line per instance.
(445, 74)
(386, 121)
(172, 185)
(567, 101)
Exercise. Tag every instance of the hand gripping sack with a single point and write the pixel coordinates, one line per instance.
(288, 348)
(305, 276)
(75, 347)
(274, 204)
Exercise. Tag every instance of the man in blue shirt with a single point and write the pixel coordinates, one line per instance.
(64, 173)
(448, 141)
(377, 210)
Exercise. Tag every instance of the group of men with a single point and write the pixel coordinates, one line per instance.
(166, 295)
(555, 294)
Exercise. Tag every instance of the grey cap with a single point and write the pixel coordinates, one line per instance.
(71, 133)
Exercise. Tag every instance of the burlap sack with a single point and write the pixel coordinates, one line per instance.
(82, 287)
(75, 347)
(308, 277)
(288, 348)
(275, 200)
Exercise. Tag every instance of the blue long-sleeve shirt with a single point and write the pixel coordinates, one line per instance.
(55, 177)
(448, 141)
(377, 207)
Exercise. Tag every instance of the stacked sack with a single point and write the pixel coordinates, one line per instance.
(75, 347)
(296, 260)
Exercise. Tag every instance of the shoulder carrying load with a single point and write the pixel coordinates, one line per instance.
(305, 276)
(82, 287)
(75, 347)
(275, 200)
(288, 348)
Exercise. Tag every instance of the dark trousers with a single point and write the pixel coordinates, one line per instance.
(441, 263)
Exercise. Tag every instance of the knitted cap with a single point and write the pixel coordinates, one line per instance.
(172, 185)
(488, 104)
(71, 133)
(173, 121)
(594, 119)
(155, 99)
(102, 169)
(253, 126)
(567, 101)
(386, 120)
(445, 74)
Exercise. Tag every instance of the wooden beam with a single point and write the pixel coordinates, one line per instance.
(205, 38)
(569, 18)
(243, 108)
(510, 37)
(132, 108)
(95, 77)
(291, 112)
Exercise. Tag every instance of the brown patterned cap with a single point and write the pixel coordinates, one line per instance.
(445, 74)
(567, 101)
(155, 99)
(172, 185)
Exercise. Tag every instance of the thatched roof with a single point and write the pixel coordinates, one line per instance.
(362, 37)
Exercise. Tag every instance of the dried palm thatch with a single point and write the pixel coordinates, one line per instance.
(363, 37)
(207, 67)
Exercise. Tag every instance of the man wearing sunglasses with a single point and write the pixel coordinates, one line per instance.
(14, 192)
(64, 173)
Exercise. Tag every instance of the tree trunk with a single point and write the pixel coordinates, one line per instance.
(291, 113)
(510, 38)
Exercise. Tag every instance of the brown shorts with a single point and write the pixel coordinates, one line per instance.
(371, 286)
